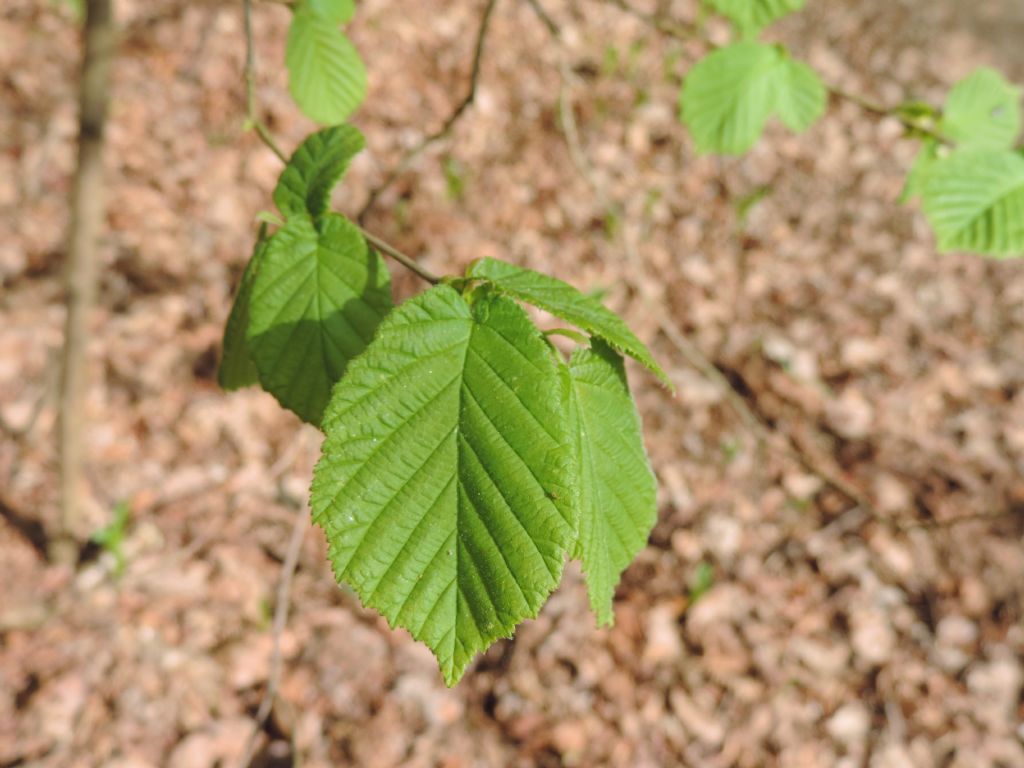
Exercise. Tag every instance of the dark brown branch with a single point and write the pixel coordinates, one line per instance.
(446, 128)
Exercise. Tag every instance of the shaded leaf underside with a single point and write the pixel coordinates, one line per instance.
(318, 298)
(237, 369)
(315, 168)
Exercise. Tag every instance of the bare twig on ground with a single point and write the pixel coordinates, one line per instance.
(281, 608)
(254, 121)
(446, 128)
(30, 529)
(87, 210)
(49, 383)
(664, 25)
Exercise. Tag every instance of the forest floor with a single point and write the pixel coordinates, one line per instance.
(775, 619)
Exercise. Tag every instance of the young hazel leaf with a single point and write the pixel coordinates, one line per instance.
(751, 16)
(565, 301)
(974, 200)
(800, 96)
(442, 485)
(317, 299)
(325, 74)
(982, 112)
(337, 11)
(729, 95)
(237, 369)
(314, 170)
(926, 158)
(617, 492)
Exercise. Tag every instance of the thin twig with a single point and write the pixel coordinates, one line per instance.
(400, 257)
(545, 19)
(252, 113)
(668, 27)
(760, 431)
(446, 128)
(264, 134)
(51, 374)
(284, 595)
(87, 215)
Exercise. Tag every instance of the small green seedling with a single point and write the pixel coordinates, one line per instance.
(111, 537)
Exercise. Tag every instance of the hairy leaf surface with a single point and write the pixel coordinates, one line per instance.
(983, 112)
(617, 493)
(730, 94)
(442, 482)
(325, 74)
(565, 301)
(974, 200)
(751, 16)
(317, 299)
(314, 170)
(237, 369)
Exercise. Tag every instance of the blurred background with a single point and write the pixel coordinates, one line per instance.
(837, 577)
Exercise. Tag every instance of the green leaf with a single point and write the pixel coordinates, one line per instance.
(317, 299)
(77, 7)
(916, 111)
(617, 493)
(442, 482)
(325, 74)
(315, 168)
(982, 112)
(800, 96)
(269, 218)
(729, 95)
(926, 158)
(111, 537)
(974, 200)
(702, 581)
(337, 11)
(745, 204)
(566, 302)
(751, 16)
(237, 369)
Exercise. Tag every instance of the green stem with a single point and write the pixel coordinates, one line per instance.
(568, 333)
(407, 262)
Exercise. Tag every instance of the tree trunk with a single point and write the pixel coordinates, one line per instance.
(87, 214)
